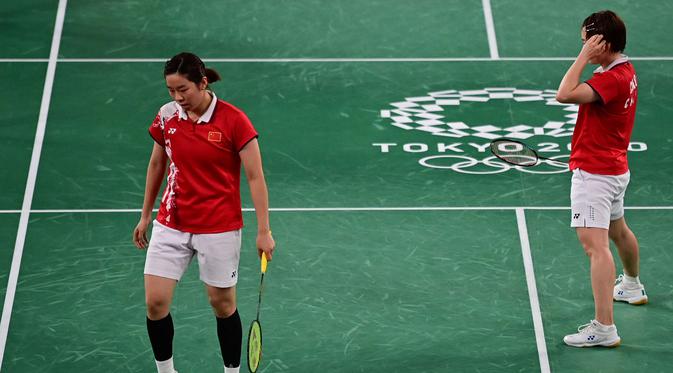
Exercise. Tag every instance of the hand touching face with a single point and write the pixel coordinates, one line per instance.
(594, 47)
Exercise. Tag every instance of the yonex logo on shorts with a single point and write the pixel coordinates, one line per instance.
(576, 216)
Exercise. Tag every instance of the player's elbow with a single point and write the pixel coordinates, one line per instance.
(562, 98)
(252, 175)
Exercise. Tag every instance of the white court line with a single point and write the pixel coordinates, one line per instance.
(327, 209)
(14, 60)
(32, 176)
(490, 29)
(300, 60)
(532, 291)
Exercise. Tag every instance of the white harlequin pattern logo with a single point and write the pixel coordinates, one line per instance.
(431, 114)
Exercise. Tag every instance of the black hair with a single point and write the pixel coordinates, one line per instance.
(191, 67)
(608, 24)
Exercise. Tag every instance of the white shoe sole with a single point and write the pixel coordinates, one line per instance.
(609, 344)
(635, 301)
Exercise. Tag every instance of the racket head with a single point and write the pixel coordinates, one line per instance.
(514, 152)
(254, 346)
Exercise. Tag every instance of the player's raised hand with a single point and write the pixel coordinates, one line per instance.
(594, 47)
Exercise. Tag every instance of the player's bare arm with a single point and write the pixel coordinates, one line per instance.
(252, 163)
(572, 90)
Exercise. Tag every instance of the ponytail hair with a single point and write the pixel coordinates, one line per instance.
(191, 67)
(212, 75)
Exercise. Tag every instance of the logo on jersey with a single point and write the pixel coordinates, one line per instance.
(214, 136)
(463, 147)
(172, 131)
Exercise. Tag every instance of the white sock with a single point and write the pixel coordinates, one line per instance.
(631, 280)
(165, 366)
(231, 370)
(603, 327)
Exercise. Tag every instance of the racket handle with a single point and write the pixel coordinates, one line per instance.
(264, 261)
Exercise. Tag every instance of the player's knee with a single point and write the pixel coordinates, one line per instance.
(589, 250)
(223, 306)
(592, 247)
(157, 307)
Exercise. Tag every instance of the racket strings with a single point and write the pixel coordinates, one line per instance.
(514, 152)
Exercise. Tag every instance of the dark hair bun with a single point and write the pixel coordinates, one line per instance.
(212, 75)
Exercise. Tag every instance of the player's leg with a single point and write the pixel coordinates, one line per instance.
(590, 204)
(627, 246)
(597, 247)
(229, 328)
(167, 258)
(158, 296)
(601, 331)
(218, 256)
(628, 287)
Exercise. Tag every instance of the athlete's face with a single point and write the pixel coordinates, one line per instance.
(185, 92)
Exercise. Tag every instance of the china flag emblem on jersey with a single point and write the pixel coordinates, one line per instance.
(214, 136)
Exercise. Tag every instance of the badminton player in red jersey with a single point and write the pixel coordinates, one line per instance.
(601, 172)
(203, 141)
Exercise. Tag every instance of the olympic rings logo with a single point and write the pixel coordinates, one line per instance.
(470, 165)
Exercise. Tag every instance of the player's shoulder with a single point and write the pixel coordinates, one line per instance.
(227, 112)
(228, 107)
(169, 110)
(622, 71)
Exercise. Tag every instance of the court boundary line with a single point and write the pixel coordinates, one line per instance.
(531, 285)
(13, 277)
(318, 59)
(490, 29)
(344, 209)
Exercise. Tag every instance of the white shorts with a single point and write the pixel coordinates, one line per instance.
(170, 252)
(596, 200)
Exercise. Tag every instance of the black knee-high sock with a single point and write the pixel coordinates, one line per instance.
(161, 337)
(230, 334)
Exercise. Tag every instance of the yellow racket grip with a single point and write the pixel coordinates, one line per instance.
(264, 262)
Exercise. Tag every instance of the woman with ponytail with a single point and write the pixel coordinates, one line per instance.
(202, 141)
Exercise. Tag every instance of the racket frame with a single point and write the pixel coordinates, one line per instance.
(259, 357)
(538, 157)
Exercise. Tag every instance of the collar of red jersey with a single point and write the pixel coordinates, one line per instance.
(622, 59)
(205, 118)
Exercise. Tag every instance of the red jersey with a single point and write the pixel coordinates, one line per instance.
(203, 190)
(603, 130)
